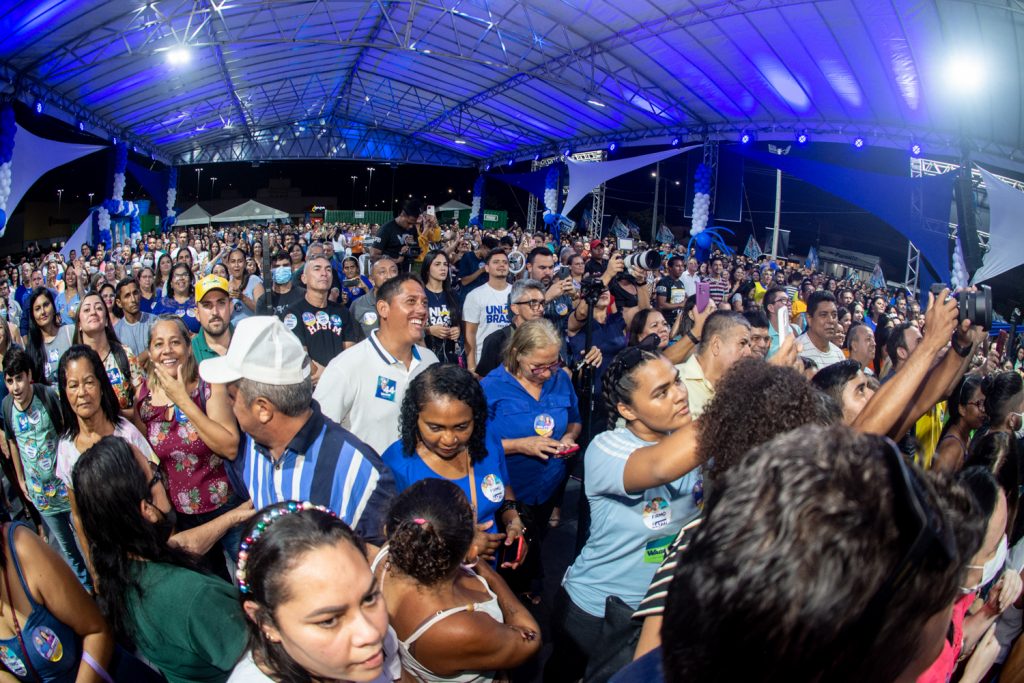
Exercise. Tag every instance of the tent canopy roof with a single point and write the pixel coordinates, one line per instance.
(454, 205)
(193, 215)
(249, 211)
(492, 80)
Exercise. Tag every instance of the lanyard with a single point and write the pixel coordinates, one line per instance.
(472, 485)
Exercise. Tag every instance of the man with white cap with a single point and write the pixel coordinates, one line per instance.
(288, 449)
(363, 387)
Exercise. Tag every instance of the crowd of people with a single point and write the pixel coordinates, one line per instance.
(337, 452)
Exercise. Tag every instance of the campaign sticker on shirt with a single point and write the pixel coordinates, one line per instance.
(179, 415)
(45, 463)
(29, 451)
(386, 388)
(544, 425)
(22, 423)
(678, 295)
(54, 355)
(336, 320)
(115, 376)
(190, 312)
(323, 319)
(657, 514)
(656, 550)
(493, 488)
(12, 661)
(34, 417)
(561, 309)
(47, 644)
(369, 318)
(308, 318)
(290, 321)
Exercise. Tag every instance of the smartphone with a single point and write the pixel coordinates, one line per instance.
(568, 451)
(703, 296)
(510, 553)
(1001, 339)
(354, 282)
(431, 211)
(782, 323)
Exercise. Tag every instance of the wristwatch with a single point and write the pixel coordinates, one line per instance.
(962, 351)
(692, 337)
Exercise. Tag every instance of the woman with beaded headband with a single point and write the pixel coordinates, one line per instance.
(314, 609)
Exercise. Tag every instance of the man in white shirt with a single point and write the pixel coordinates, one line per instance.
(363, 387)
(690, 278)
(822, 318)
(486, 308)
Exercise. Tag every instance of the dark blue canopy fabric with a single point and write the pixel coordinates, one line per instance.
(155, 183)
(891, 198)
(533, 182)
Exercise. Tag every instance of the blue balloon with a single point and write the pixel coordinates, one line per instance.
(703, 240)
(550, 218)
(3, 218)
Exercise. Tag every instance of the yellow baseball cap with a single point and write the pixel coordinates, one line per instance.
(210, 283)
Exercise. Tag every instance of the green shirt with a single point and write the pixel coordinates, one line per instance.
(201, 349)
(189, 625)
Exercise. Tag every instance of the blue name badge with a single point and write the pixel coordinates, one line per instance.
(386, 388)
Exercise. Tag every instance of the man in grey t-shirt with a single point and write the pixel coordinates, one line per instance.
(133, 328)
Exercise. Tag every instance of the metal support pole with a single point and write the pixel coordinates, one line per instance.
(654, 213)
(778, 212)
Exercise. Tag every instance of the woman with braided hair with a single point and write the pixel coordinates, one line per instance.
(455, 622)
(643, 485)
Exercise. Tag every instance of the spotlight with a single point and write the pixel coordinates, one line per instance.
(536, 157)
(746, 138)
(81, 126)
(613, 146)
(39, 106)
(487, 167)
(460, 141)
(801, 137)
(675, 142)
(915, 149)
(566, 152)
(114, 139)
(966, 73)
(178, 55)
(511, 161)
(596, 102)
(858, 142)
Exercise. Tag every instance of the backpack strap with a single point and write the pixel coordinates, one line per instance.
(52, 406)
(7, 408)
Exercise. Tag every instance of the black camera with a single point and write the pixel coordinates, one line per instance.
(591, 289)
(973, 306)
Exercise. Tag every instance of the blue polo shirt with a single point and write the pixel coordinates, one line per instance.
(490, 475)
(513, 413)
(325, 464)
(186, 311)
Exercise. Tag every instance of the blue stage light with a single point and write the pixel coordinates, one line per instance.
(801, 137)
(613, 146)
(39, 106)
(487, 167)
(858, 142)
(81, 126)
(746, 138)
(536, 157)
(915, 149)
(567, 152)
(511, 161)
(675, 142)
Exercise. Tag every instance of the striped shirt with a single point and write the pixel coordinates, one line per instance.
(324, 464)
(654, 601)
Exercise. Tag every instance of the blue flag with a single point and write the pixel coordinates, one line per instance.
(753, 249)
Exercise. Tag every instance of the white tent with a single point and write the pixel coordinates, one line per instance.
(193, 215)
(249, 211)
(454, 205)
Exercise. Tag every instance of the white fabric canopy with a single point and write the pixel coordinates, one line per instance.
(83, 235)
(454, 205)
(584, 176)
(193, 215)
(249, 211)
(33, 157)
(1005, 236)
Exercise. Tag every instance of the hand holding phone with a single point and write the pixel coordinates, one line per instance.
(703, 296)
(508, 554)
(782, 323)
(568, 451)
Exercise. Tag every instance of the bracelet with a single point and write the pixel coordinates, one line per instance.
(509, 504)
(962, 351)
(692, 337)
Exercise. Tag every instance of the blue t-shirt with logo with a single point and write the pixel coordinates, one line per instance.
(185, 311)
(513, 413)
(37, 440)
(491, 475)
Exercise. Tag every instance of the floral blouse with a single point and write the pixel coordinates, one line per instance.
(124, 388)
(196, 479)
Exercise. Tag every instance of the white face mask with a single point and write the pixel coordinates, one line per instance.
(990, 570)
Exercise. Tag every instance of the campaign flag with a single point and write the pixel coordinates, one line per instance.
(619, 228)
(753, 249)
(812, 259)
(634, 231)
(665, 235)
(877, 279)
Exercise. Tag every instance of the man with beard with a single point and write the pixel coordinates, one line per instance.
(540, 266)
(213, 310)
(822, 318)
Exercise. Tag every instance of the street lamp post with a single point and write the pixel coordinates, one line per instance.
(213, 181)
(354, 178)
(369, 199)
(199, 173)
(60, 195)
(781, 151)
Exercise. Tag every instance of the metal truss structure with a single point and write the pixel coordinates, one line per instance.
(467, 82)
(597, 195)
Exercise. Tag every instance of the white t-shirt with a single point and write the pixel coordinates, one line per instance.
(68, 454)
(488, 308)
(246, 670)
(822, 359)
(362, 389)
(690, 282)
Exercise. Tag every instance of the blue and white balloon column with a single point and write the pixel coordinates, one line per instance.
(476, 212)
(8, 127)
(703, 238)
(116, 206)
(172, 197)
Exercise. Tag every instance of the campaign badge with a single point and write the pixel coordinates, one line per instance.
(386, 388)
(657, 514)
(47, 644)
(544, 425)
(493, 488)
(290, 321)
(12, 661)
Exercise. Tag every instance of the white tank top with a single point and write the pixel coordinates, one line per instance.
(422, 673)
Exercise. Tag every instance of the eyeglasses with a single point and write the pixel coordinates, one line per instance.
(781, 302)
(979, 404)
(541, 369)
(914, 518)
(535, 304)
(158, 478)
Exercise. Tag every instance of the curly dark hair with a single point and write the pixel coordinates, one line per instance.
(444, 381)
(430, 530)
(734, 421)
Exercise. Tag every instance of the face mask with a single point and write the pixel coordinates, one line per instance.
(147, 263)
(282, 275)
(990, 570)
(165, 527)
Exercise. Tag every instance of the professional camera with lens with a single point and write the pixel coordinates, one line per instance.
(591, 289)
(973, 306)
(648, 259)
